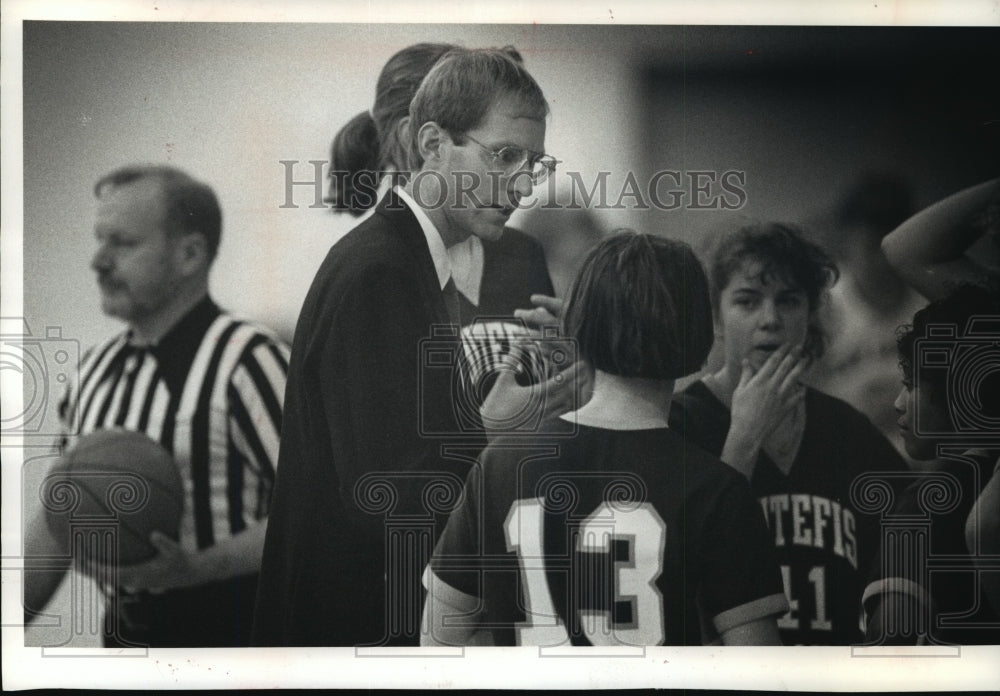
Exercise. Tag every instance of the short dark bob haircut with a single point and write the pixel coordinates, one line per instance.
(640, 307)
(785, 256)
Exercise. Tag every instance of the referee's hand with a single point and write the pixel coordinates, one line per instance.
(172, 567)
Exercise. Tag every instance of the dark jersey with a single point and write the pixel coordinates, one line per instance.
(607, 538)
(925, 558)
(824, 537)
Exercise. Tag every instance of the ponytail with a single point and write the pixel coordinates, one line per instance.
(354, 166)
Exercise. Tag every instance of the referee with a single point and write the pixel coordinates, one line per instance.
(206, 386)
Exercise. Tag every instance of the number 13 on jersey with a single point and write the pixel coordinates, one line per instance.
(635, 572)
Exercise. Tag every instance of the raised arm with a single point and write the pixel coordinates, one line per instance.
(928, 250)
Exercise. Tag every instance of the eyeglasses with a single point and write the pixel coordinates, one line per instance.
(511, 159)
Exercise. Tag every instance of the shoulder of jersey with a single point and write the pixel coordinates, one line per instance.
(835, 410)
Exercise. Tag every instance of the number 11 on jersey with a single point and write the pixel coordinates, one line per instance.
(791, 620)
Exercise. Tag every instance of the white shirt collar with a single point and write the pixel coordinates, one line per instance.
(467, 260)
(439, 254)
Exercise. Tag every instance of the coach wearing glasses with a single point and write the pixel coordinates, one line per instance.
(364, 485)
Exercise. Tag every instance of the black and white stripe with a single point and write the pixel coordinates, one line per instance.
(222, 427)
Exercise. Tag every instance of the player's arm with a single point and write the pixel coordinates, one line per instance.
(741, 585)
(928, 250)
(982, 536)
(892, 619)
(762, 631)
(893, 604)
(451, 618)
(452, 614)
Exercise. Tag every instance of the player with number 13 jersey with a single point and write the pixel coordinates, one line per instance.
(622, 533)
(609, 538)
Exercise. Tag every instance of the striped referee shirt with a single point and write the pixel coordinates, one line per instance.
(210, 391)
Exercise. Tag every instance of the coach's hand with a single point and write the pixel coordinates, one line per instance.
(512, 407)
(547, 312)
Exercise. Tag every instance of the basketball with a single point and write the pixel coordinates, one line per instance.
(113, 485)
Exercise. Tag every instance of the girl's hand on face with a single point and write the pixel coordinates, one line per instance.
(763, 398)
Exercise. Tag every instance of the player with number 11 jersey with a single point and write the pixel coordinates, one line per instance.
(816, 465)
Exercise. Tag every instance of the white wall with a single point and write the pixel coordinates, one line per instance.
(227, 102)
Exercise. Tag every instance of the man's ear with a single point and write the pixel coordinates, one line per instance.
(192, 252)
(432, 139)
